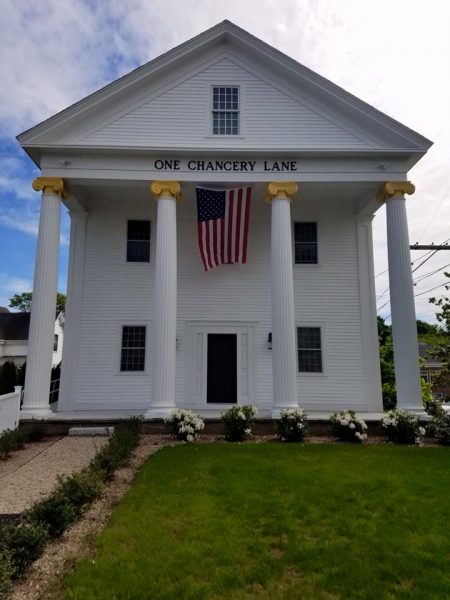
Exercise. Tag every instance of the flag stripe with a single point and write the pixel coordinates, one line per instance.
(238, 226)
(200, 244)
(230, 224)
(246, 221)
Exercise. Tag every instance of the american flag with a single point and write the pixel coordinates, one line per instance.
(223, 217)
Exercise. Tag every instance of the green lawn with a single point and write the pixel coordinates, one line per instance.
(271, 521)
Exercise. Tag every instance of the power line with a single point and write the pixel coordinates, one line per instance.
(422, 277)
(447, 286)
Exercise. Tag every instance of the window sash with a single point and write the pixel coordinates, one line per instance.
(225, 110)
(138, 241)
(309, 349)
(132, 355)
(305, 243)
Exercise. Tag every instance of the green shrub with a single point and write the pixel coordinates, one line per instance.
(13, 439)
(292, 426)
(118, 450)
(440, 423)
(5, 574)
(184, 424)
(402, 427)
(9, 441)
(79, 489)
(22, 544)
(238, 422)
(32, 431)
(56, 513)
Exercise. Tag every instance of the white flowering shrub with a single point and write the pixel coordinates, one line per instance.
(184, 424)
(238, 422)
(440, 423)
(293, 425)
(402, 427)
(348, 427)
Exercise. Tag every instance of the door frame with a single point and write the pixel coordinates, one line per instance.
(197, 362)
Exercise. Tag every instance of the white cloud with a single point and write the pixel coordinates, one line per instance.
(10, 285)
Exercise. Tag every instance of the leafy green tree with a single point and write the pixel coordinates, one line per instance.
(424, 328)
(442, 345)
(8, 377)
(23, 302)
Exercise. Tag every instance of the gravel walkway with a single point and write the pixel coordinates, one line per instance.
(31, 474)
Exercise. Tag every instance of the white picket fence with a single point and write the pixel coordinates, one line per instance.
(10, 409)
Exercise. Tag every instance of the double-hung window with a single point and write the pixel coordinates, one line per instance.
(309, 345)
(225, 110)
(132, 357)
(138, 241)
(305, 241)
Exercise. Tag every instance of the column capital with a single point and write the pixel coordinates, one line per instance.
(395, 189)
(277, 190)
(166, 188)
(52, 185)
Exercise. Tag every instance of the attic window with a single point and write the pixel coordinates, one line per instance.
(225, 110)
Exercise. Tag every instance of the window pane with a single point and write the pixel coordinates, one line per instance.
(138, 241)
(225, 110)
(309, 349)
(305, 235)
(133, 348)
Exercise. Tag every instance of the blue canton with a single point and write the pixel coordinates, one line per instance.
(210, 204)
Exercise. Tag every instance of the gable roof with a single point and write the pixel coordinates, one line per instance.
(14, 326)
(309, 85)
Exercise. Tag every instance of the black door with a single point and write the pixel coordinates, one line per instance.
(222, 368)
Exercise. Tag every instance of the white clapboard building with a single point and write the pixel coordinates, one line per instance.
(221, 200)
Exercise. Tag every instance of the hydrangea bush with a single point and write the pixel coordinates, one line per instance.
(293, 425)
(440, 423)
(238, 422)
(348, 427)
(402, 427)
(184, 424)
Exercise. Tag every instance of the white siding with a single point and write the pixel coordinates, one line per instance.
(117, 293)
(181, 116)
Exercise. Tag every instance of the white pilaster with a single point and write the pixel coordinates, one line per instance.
(404, 329)
(283, 319)
(74, 305)
(163, 348)
(43, 307)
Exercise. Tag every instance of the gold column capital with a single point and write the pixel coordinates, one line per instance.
(52, 185)
(166, 188)
(277, 190)
(395, 189)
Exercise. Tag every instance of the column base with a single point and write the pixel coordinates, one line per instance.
(159, 412)
(35, 412)
(417, 409)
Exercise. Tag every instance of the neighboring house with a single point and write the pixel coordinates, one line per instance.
(430, 369)
(288, 321)
(14, 330)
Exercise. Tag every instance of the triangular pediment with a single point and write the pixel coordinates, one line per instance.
(166, 104)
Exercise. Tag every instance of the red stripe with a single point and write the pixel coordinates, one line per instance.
(208, 251)
(216, 240)
(222, 240)
(238, 225)
(230, 224)
(200, 244)
(246, 220)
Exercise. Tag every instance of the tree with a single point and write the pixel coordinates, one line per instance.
(441, 349)
(424, 328)
(23, 302)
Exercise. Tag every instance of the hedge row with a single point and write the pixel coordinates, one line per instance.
(21, 544)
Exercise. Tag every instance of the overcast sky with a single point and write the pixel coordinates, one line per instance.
(393, 54)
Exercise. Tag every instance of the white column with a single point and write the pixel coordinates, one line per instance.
(163, 344)
(404, 329)
(43, 307)
(283, 319)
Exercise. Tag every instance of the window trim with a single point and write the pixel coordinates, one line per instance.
(323, 342)
(118, 352)
(210, 133)
(139, 262)
(297, 265)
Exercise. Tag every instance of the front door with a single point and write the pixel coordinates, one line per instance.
(221, 385)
